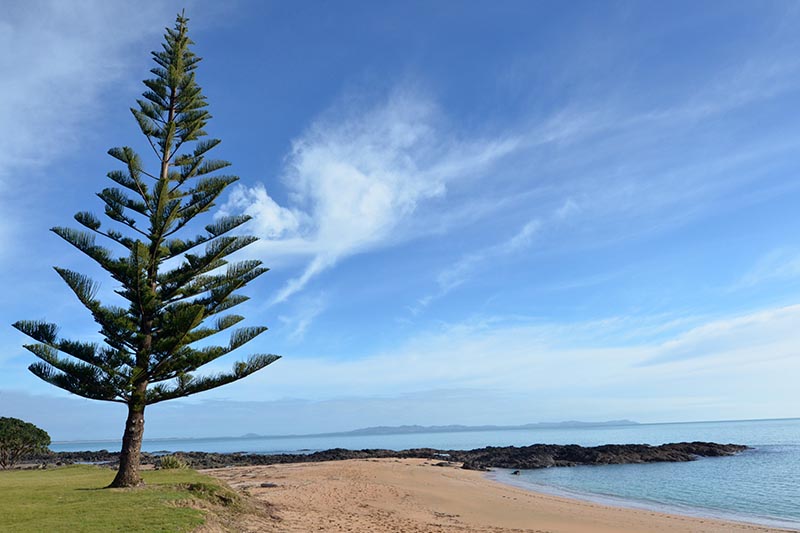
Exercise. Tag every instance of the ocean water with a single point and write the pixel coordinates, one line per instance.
(761, 485)
(758, 486)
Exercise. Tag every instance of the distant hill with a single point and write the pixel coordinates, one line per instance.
(453, 428)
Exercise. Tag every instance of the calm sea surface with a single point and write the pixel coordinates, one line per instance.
(760, 485)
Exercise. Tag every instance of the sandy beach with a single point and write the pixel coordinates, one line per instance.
(414, 495)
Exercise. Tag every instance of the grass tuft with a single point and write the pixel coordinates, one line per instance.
(214, 493)
(171, 462)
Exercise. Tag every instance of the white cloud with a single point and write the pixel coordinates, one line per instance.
(489, 371)
(469, 264)
(363, 177)
(355, 179)
(57, 58)
(271, 220)
(569, 208)
(778, 265)
(742, 360)
(307, 309)
(759, 336)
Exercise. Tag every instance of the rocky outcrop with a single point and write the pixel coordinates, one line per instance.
(514, 457)
(546, 456)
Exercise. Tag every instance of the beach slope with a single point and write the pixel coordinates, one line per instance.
(415, 495)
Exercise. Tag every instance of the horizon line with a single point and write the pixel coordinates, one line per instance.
(608, 423)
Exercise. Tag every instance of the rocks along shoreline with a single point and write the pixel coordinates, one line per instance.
(513, 457)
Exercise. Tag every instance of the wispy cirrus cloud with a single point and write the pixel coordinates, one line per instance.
(368, 176)
(58, 59)
(464, 268)
(771, 333)
(355, 176)
(306, 310)
(473, 262)
(706, 363)
(782, 264)
(486, 371)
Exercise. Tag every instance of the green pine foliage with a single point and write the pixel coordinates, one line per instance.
(149, 353)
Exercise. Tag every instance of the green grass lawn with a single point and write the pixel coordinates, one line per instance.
(72, 499)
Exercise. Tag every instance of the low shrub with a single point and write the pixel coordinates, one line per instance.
(18, 439)
(171, 462)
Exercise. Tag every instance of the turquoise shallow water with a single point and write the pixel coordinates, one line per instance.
(760, 485)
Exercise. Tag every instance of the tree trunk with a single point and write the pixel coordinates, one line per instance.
(129, 457)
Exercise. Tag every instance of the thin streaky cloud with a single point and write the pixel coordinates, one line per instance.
(472, 263)
(779, 265)
(306, 311)
(469, 264)
(359, 183)
(59, 59)
(523, 357)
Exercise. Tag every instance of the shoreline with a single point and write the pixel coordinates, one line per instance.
(417, 495)
(503, 476)
(518, 457)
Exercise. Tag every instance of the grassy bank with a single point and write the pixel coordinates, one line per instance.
(72, 499)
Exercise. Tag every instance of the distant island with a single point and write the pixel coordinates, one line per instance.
(453, 428)
(389, 430)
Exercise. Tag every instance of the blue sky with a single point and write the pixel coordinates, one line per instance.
(474, 213)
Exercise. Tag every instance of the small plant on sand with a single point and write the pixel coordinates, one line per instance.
(171, 462)
(18, 439)
(175, 292)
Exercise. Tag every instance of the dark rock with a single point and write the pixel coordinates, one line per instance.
(515, 473)
(513, 457)
(545, 456)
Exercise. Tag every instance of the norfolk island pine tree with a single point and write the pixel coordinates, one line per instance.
(148, 354)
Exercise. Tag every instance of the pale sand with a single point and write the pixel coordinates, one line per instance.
(412, 495)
